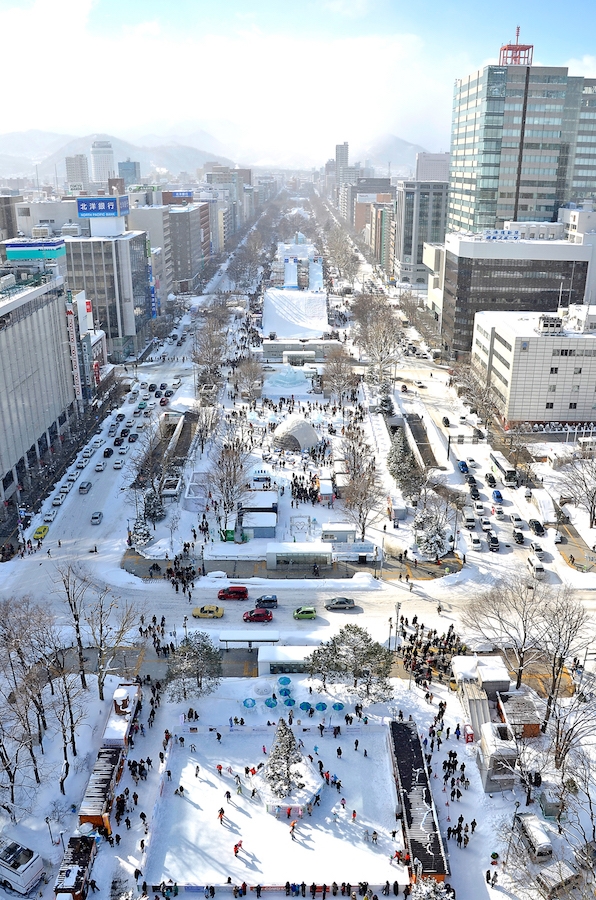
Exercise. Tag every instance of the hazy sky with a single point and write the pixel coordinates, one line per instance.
(296, 76)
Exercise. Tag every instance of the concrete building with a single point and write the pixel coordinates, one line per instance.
(362, 190)
(432, 167)
(342, 157)
(382, 234)
(522, 142)
(102, 162)
(189, 229)
(77, 172)
(498, 271)
(47, 218)
(155, 220)
(130, 172)
(541, 367)
(8, 215)
(420, 217)
(37, 395)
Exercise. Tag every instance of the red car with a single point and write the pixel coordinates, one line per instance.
(163, 401)
(258, 615)
(233, 592)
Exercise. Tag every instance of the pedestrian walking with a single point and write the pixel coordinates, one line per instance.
(127, 823)
(473, 824)
(339, 752)
(353, 815)
(488, 874)
(228, 796)
(93, 885)
(197, 770)
(218, 736)
(494, 879)
(220, 815)
(356, 744)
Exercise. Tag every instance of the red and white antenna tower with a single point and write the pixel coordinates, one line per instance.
(516, 54)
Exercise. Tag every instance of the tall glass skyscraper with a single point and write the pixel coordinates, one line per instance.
(523, 142)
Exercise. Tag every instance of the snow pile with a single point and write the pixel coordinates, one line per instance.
(295, 314)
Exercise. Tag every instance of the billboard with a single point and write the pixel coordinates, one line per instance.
(102, 207)
(182, 194)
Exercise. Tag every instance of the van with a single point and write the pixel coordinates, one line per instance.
(535, 567)
(554, 879)
(84, 487)
(469, 517)
(534, 835)
(20, 868)
(133, 396)
(233, 592)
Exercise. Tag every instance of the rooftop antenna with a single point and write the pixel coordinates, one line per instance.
(516, 54)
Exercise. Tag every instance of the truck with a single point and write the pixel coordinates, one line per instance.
(469, 517)
(20, 868)
(72, 881)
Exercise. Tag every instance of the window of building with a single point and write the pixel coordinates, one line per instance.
(575, 389)
(552, 388)
(554, 370)
(573, 406)
(550, 405)
(577, 370)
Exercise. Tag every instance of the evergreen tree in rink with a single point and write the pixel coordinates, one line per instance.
(283, 755)
(429, 889)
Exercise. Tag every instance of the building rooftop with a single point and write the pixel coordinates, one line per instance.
(576, 322)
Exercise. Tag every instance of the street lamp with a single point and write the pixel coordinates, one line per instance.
(49, 829)
(390, 630)
(511, 834)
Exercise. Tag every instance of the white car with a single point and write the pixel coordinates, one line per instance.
(58, 500)
(475, 542)
(558, 537)
(516, 520)
(499, 512)
(419, 384)
(96, 518)
(66, 487)
(72, 476)
(130, 423)
(123, 450)
(100, 466)
(479, 507)
(471, 462)
(50, 515)
(118, 464)
(485, 523)
(81, 463)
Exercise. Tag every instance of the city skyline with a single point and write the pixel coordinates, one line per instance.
(318, 73)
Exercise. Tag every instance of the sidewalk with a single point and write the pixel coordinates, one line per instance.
(391, 570)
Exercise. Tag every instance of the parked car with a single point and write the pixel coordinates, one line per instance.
(233, 592)
(474, 493)
(267, 601)
(163, 401)
(58, 500)
(497, 496)
(518, 536)
(445, 421)
(123, 450)
(72, 476)
(463, 466)
(50, 515)
(96, 518)
(537, 527)
(475, 542)
(470, 479)
(499, 512)
(100, 466)
(493, 541)
(558, 537)
(119, 463)
(208, 612)
(471, 462)
(516, 520)
(485, 523)
(419, 384)
(479, 507)
(305, 612)
(257, 615)
(340, 603)
(536, 549)
(490, 479)
(169, 393)
(163, 386)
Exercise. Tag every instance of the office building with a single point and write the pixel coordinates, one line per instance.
(540, 366)
(189, 229)
(155, 220)
(77, 172)
(102, 162)
(420, 217)
(37, 395)
(522, 142)
(361, 190)
(342, 155)
(432, 166)
(130, 172)
(8, 215)
(494, 271)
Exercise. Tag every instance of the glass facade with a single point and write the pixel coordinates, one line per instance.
(421, 214)
(532, 285)
(522, 144)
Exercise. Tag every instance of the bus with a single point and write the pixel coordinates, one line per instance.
(505, 469)
(20, 868)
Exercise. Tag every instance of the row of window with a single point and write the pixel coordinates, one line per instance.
(503, 342)
(577, 352)
(527, 170)
(571, 406)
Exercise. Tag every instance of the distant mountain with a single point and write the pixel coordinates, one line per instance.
(27, 151)
(200, 140)
(389, 149)
(33, 145)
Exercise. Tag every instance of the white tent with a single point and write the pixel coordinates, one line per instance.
(295, 433)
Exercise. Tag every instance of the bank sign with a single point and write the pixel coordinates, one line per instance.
(102, 207)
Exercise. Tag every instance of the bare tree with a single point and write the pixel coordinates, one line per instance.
(206, 422)
(579, 480)
(572, 721)
(509, 617)
(338, 373)
(69, 712)
(73, 584)
(477, 392)
(378, 332)
(228, 475)
(567, 628)
(363, 496)
(248, 377)
(110, 622)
